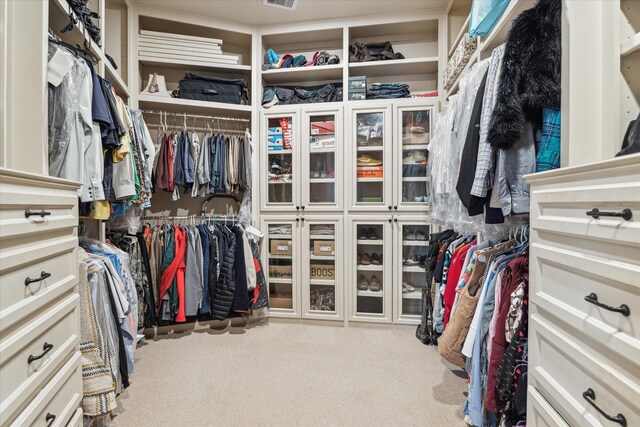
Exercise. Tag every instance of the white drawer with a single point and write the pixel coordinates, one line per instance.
(561, 279)
(76, 419)
(540, 413)
(58, 327)
(562, 369)
(22, 192)
(56, 259)
(58, 401)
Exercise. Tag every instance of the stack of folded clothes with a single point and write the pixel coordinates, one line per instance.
(273, 61)
(388, 91)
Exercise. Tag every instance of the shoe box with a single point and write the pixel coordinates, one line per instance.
(323, 128)
(323, 141)
(279, 137)
(357, 88)
(370, 171)
(281, 247)
(324, 248)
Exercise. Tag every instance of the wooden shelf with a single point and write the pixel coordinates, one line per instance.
(282, 257)
(373, 148)
(417, 294)
(415, 243)
(280, 236)
(280, 182)
(412, 269)
(498, 34)
(322, 150)
(113, 76)
(322, 257)
(193, 65)
(59, 17)
(370, 179)
(370, 242)
(630, 46)
(371, 268)
(281, 281)
(378, 294)
(280, 151)
(415, 179)
(191, 106)
(318, 282)
(303, 74)
(395, 67)
(461, 34)
(408, 147)
(321, 237)
(322, 180)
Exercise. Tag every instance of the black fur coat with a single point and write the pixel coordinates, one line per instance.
(530, 78)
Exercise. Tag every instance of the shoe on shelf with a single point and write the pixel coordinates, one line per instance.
(371, 234)
(408, 287)
(332, 173)
(315, 174)
(421, 236)
(414, 158)
(411, 235)
(368, 161)
(375, 285)
(376, 259)
(418, 199)
(411, 261)
(363, 284)
(365, 260)
(359, 259)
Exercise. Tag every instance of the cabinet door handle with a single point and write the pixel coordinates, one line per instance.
(395, 208)
(50, 418)
(592, 298)
(43, 275)
(390, 220)
(625, 214)
(302, 207)
(42, 213)
(395, 219)
(302, 219)
(46, 347)
(297, 208)
(590, 396)
(297, 219)
(390, 207)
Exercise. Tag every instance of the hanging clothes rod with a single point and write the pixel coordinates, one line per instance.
(173, 217)
(198, 116)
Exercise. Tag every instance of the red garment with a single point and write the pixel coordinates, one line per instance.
(181, 315)
(511, 278)
(453, 276)
(172, 270)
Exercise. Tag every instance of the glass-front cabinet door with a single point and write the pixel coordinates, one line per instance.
(282, 236)
(371, 154)
(370, 264)
(322, 159)
(280, 161)
(413, 133)
(410, 254)
(322, 291)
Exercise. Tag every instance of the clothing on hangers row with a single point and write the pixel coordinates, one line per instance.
(94, 138)
(476, 310)
(213, 163)
(209, 270)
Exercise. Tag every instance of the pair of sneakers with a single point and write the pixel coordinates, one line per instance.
(374, 285)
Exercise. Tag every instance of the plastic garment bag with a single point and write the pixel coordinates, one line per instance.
(484, 15)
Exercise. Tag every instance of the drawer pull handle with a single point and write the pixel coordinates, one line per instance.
(590, 396)
(593, 299)
(50, 418)
(43, 275)
(41, 213)
(625, 214)
(46, 347)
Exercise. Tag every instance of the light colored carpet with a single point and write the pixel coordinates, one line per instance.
(286, 374)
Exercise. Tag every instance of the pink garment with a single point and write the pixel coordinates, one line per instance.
(492, 324)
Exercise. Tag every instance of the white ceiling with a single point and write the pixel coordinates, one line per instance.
(254, 13)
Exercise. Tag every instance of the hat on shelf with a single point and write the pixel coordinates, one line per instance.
(271, 60)
(156, 86)
(299, 61)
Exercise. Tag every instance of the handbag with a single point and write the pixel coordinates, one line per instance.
(365, 52)
(213, 89)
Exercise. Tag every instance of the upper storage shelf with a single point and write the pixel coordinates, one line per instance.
(305, 43)
(416, 40)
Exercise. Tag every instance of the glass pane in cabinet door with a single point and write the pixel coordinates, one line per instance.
(370, 270)
(322, 267)
(370, 158)
(415, 248)
(322, 149)
(280, 160)
(281, 265)
(415, 140)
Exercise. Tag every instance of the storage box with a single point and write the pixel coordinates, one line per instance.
(370, 171)
(280, 272)
(416, 138)
(323, 272)
(325, 141)
(280, 302)
(358, 84)
(281, 247)
(323, 128)
(357, 96)
(324, 248)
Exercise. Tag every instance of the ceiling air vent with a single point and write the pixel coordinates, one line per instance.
(282, 4)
